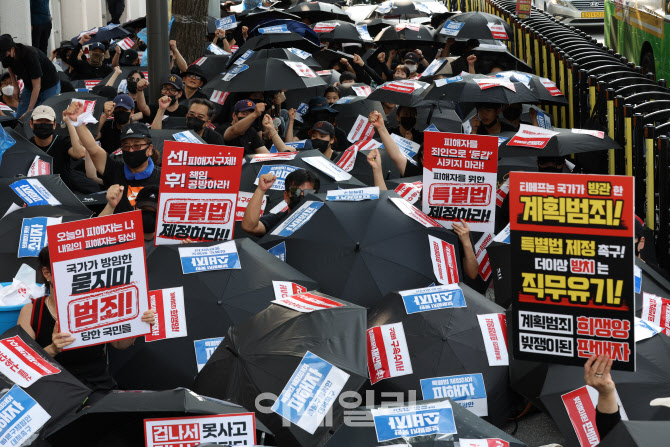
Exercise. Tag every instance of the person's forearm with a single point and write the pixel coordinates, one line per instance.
(446, 50)
(157, 123)
(77, 151)
(107, 211)
(226, 45)
(392, 149)
(240, 127)
(279, 143)
(101, 122)
(470, 264)
(142, 104)
(378, 177)
(91, 172)
(373, 74)
(289, 130)
(115, 63)
(181, 63)
(112, 80)
(471, 69)
(37, 85)
(607, 403)
(97, 154)
(252, 214)
(52, 350)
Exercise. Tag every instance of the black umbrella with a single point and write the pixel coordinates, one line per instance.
(475, 26)
(404, 93)
(337, 31)
(363, 172)
(446, 342)
(251, 18)
(284, 40)
(261, 355)
(214, 301)
(637, 434)
(404, 9)
(356, 259)
(60, 394)
(270, 74)
(405, 35)
(443, 117)
(541, 88)
(17, 159)
(375, 26)
(60, 103)
(250, 172)
(490, 56)
(319, 12)
(109, 32)
(356, 105)
(465, 88)
(135, 25)
(328, 58)
(566, 142)
(289, 54)
(212, 66)
(125, 71)
(500, 257)
(468, 426)
(118, 418)
(302, 95)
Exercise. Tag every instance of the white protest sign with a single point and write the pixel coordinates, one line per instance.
(170, 314)
(388, 354)
(329, 168)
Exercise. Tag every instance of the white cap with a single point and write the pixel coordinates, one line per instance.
(43, 112)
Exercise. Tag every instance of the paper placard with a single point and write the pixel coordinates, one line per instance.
(388, 354)
(297, 219)
(170, 314)
(215, 257)
(329, 168)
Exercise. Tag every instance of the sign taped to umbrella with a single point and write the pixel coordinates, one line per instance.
(531, 136)
(307, 302)
(279, 171)
(467, 390)
(225, 429)
(100, 278)
(22, 416)
(34, 235)
(204, 350)
(388, 353)
(412, 421)
(222, 256)
(21, 365)
(573, 285)
(170, 314)
(198, 196)
(433, 298)
(494, 333)
(460, 179)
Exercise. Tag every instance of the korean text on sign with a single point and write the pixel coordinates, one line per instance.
(225, 429)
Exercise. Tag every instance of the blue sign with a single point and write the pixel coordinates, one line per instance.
(204, 349)
(279, 251)
(295, 144)
(501, 140)
(353, 195)
(226, 23)
(33, 192)
(433, 298)
(543, 120)
(409, 422)
(186, 137)
(22, 416)
(432, 68)
(310, 392)
(467, 389)
(242, 59)
(277, 29)
(300, 53)
(217, 50)
(503, 236)
(431, 128)
(299, 218)
(280, 171)
(451, 28)
(363, 32)
(384, 7)
(301, 111)
(216, 257)
(34, 235)
(638, 279)
(234, 72)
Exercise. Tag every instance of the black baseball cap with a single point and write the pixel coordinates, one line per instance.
(129, 57)
(6, 42)
(320, 103)
(135, 130)
(323, 127)
(174, 81)
(148, 196)
(412, 57)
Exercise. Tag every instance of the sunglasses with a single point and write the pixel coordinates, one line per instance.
(297, 192)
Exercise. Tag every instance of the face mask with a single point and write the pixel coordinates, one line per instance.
(407, 122)
(142, 47)
(122, 117)
(96, 59)
(512, 113)
(295, 201)
(43, 130)
(7, 61)
(132, 86)
(321, 145)
(8, 90)
(411, 68)
(148, 221)
(195, 124)
(134, 159)
(173, 99)
(398, 78)
(348, 83)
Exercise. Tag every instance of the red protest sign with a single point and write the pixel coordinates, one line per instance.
(198, 198)
(531, 136)
(582, 414)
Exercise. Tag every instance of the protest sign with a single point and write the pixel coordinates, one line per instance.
(414, 213)
(328, 167)
(297, 219)
(20, 364)
(497, 31)
(279, 251)
(361, 130)
(573, 277)
(33, 192)
(459, 178)
(284, 289)
(213, 257)
(279, 171)
(22, 417)
(432, 298)
(34, 235)
(412, 421)
(100, 278)
(306, 302)
(580, 405)
(226, 23)
(262, 158)
(204, 350)
(198, 197)
(451, 28)
(310, 392)
(488, 442)
(170, 314)
(225, 429)
(219, 97)
(494, 333)
(410, 191)
(467, 390)
(407, 147)
(443, 257)
(243, 199)
(523, 8)
(388, 354)
(531, 137)
(39, 167)
(353, 195)
(656, 310)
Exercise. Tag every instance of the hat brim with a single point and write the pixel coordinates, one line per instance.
(245, 109)
(330, 109)
(43, 116)
(134, 135)
(321, 131)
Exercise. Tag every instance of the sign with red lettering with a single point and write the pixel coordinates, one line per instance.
(582, 414)
(100, 278)
(284, 289)
(531, 136)
(225, 429)
(307, 302)
(656, 310)
(388, 354)
(170, 314)
(523, 8)
(489, 442)
(243, 199)
(494, 333)
(410, 191)
(198, 198)
(443, 256)
(498, 31)
(21, 364)
(39, 167)
(573, 283)
(551, 87)
(459, 178)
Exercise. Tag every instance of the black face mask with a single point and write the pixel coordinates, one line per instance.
(512, 113)
(132, 86)
(321, 145)
(295, 201)
(142, 47)
(134, 159)
(43, 130)
(122, 118)
(7, 61)
(173, 99)
(195, 124)
(408, 122)
(148, 221)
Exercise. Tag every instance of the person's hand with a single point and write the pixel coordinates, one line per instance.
(117, 70)
(472, 59)
(173, 45)
(462, 230)
(279, 98)
(221, 34)
(393, 53)
(375, 118)
(83, 40)
(451, 41)
(268, 125)
(260, 109)
(419, 53)
(142, 84)
(74, 110)
(59, 340)
(266, 181)
(345, 62)
(245, 32)
(358, 60)
(533, 117)
(475, 123)
(409, 135)
(114, 195)
(149, 316)
(291, 115)
(164, 103)
(381, 57)
(54, 53)
(66, 119)
(597, 374)
(188, 240)
(375, 159)
(117, 49)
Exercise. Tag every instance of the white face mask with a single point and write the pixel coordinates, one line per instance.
(411, 67)
(8, 90)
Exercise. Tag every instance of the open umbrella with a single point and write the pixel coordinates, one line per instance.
(474, 25)
(652, 282)
(545, 90)
(497, 55)
(564, 143)
(109, 32)
(337, 31)
(252, 17)
(350, 107)
(60, 103)
(405, 35)
(17, 159)
(446, 342)
(125, 71)
(365, 249)
(282, 26)
(214, 301)
(284, 40)
(637, 434)
(375, 26)
(135, 25)
(466, 88)
(319, 12)
(212, 66)
(404, 93)
(118, 418)
(363, 172)
(328, 58)
(408, 9)
(261, 355)
(289, 54)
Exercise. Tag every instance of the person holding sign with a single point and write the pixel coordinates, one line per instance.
(297, 184)
(597, 375)
(40, 320)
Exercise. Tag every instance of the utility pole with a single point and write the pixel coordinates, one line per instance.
(157, 45)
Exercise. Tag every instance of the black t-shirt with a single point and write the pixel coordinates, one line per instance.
(270, 221)
(334, 156)
(32, 63)
(198, 94)
(250, 141)
(212, 137)
(504, 127)
(114, 175)
(81, 69)
(58, 149)
(110, 137)
(181, 112)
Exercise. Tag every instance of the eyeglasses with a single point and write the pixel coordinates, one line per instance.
(170, 90)
(195, 76)
(134, 147)
(193, 115)
(297, 192)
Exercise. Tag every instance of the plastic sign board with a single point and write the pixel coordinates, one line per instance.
(225, 429)
(214, 257)
(467, 390)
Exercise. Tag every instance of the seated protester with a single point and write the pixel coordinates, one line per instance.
(486, 121)
(128, 58)
(406, 117)
(93, 68)
(375, 118)
(177, 63)
(62, 54)
(332, 94)
(116, 114)
(297, 184)
(414, 62)
(63, 149)
(173, 88)
(240, 132)
(512, 115)
(319, 110)
(401, 72)
(198, 118)
(88, 364)
(347, 78)
(8, 97)
(194, 78)
(390, 110)
(363, 73)
(136, 84)
(146, 201)
(322, 137)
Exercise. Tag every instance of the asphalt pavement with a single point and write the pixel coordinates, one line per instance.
(536, 429)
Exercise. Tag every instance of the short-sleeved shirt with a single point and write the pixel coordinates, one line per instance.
(181, 112)
(249, 141)
(213, 137)
(270, 221)
(32, 64)
(115, 175)
(58, 149)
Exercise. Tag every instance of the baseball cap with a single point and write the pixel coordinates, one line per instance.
(323, 127)
(128, 58)
(320, 103)
(6, 42)
(43, 112)
(412, 57)
(244, 105)
(96, 46)
(135, 130)
(124, 101)
(148, 196)
(174, 81)
(196, 70)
